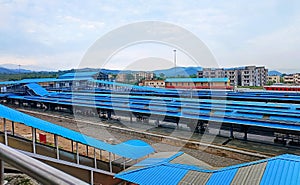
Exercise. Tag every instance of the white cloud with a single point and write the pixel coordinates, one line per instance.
(238, 32)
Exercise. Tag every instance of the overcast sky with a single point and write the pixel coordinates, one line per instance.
(56, 34)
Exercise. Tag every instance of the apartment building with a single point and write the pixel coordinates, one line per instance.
(292, 78)
(143, 75)
(134, 76)
(273, 79)
(239, 76)
(211, 73)
(233, 76)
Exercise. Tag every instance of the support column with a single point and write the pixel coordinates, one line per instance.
(13, 128)
(5, 132)
(77, 153)
(1, 172)
(57, 147)
(72, 146)
(245, 132)
(87, 150)
(231, 131)
(95, 159)
(92, 177)
(109, 114)
(110, 164)
(100, 154)
(124, 165)
(33, 140)
(130, 115)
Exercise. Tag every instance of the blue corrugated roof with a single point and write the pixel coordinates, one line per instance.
(197, 80)
(37, 89)
(78, 74)
(155, 175)
(133, 149)
(284, 169)
(38, 80)
(222, 177)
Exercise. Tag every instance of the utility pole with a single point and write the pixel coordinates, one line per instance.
(175, 61)
(19, 72)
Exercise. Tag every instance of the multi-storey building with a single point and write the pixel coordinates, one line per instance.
(142, 75)
(240, 76)
(273, 79)
(134, 76)
(292, 78)
(233, 76)
(211, 73)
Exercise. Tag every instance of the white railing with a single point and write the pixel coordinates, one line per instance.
(41, 172)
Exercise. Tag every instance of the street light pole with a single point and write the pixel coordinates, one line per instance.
(175, 61)
(19, 72)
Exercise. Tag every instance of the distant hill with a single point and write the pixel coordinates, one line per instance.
(181, 71)
(274, 73)
(172, 72)
(4, 70)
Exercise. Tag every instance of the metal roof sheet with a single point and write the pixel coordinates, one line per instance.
(78, 74)
(249, 175)
(222, 177)
(284, 169)
(194, 177)
(133, 149)
(132, 105)
(37, 89)
(155, 175)
(190, 160)
(196, 80)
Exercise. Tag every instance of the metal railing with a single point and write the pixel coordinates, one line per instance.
(41, 172)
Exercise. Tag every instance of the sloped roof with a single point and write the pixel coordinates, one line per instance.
(283, 169)
(132, 149)
(37, 89)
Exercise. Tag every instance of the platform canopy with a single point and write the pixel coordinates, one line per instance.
(132, 149)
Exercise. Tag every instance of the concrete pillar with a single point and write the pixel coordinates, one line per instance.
(57, 147)
(33, 139)
(92, 177)
(110, 163)
(1, 172)
(77, 153)
(13, 128)
(95, 159)
(5, 132)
